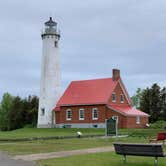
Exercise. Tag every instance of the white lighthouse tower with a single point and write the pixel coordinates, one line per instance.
(50, 75)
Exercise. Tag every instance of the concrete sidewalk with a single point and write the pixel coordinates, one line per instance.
(5, 160)
(40, 156)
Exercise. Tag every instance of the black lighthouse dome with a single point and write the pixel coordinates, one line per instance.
(50, 23)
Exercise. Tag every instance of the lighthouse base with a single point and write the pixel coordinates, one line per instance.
(46, 126)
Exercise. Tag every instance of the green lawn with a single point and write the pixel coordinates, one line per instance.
(34, 132)
(101, 159)
(42, 146)
(52, 145)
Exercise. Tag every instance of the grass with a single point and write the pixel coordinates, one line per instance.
(35, 132)
(101, 159)
(52, 145)
(43, 146)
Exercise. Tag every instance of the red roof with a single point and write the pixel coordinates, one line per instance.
(96, 91)
(127, 110)
(86, 92)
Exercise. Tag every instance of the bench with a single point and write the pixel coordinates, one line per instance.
(160, 137)
(151, 150)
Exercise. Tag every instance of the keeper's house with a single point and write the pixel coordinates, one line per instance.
(88, 103)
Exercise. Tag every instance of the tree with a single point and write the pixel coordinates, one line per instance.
(163, 104)
(31, 111)
(145, 101)
(155, 102)
(137, 98)
(16, 112)
(151, 102)
(15, 116)
(5, 109)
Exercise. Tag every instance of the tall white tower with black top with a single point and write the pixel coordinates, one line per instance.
(50, 75)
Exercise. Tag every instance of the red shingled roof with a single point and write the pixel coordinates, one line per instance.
(95, 91)
(127, 110)
(86, 92)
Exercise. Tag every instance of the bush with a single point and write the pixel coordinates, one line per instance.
(159, 124)
(30, 126)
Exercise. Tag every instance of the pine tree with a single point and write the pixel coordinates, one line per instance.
(163, 104)
(155, 102)
(151, 102)
(15, 116)
(145, 101)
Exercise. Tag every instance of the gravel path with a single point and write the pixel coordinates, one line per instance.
(5, 160)
(40, 156)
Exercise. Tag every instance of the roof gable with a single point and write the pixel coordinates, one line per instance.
(96, 91)
(125, 92)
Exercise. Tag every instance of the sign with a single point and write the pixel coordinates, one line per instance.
(112, 126)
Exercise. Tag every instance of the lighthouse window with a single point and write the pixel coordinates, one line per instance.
(42, 111)
(55, 43)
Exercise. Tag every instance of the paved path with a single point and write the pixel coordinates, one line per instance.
(5, 160)
(33, 157)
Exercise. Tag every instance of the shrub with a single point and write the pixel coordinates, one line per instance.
(159, 124)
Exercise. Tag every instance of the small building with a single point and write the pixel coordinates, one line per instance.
(88, 103)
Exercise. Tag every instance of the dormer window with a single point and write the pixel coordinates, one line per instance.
(122, 98)
(113, 97)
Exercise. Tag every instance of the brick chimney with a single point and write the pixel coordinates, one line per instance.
(115, 74)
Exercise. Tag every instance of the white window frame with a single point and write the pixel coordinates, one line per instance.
(93, 113)
(138, 119)
(122, 95)
(81, 118)
(67, 113)
(113, 100)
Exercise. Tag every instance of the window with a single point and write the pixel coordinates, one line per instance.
(137, 119)
(122, 98)
(113, 97)
(68, 114)
(81, 114)
(42, 111)
(94, 113)
(55, 43)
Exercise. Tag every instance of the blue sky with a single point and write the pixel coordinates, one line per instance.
(96, 36)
